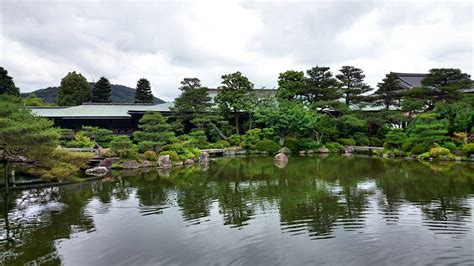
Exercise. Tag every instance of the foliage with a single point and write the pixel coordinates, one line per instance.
(291, 84)
(418, 149)
(347, 142)
(449, 145)
(307, 144)
(154, 132)
(74, 89)
(80, 141)
(334, 147)
(7, 86)
(220, 144)
(102, 91)
(197, 138)
(143, 94)
(468, 149)
(124, 148)
(440, 151)
(233, 94)
(427, 130)
(173, 155)
(267, 145)
(388, 92)
(150, 156)
(102, 136)
(352, 84)
(32, 100)
(375, 142)
(182, 151)
(292, 143)
(395, 139)
(234, 140)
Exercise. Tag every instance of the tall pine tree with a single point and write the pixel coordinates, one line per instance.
(322, 90)
(102, 91)
(388, 92)
(352, 84)
(143, 93)
(7, 86)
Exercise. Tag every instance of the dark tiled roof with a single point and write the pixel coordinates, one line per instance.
(410, 80)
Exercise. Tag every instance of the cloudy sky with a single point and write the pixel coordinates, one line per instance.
(164, 41)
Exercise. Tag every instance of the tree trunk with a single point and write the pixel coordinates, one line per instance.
(5, 174)
(236, 117)
(282, 137)
(219, 132)
(250, 121)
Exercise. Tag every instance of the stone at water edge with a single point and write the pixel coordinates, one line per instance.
(322, 150)
(146, 164)
(107, 162)
(204, 157)
(164, 161)
(348, 149)
(130, 164)
(280, 157)
(189, 161)
(284, 150)
(97, 171)
(180, 163)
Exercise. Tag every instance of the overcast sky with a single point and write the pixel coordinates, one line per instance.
(41, 41)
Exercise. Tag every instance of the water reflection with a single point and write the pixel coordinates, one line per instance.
(313, 197)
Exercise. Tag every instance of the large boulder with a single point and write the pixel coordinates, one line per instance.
(189, 161)
(164, 161)
(204, 157)
(348, 149)
(280, 157)
(130, 164)
(284, 150)
(97, 171)
(322, 150)
(107, 162)
(146, 164)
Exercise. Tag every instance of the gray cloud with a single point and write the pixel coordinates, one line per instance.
(165, 41)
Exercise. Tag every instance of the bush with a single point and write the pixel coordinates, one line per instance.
(307, 144)
(347, 142)
(449, 145)
(334, 147)
(395, 139)
(292, 143)
(150, 156)
(267, 145)
(362, 141)
(101, 135)
(221, 144)
(183, 152)
(468, 149)
(173, 155)
(198, 139)
(234, 140)
(418, 149)
(375, 142)
(407, 146)
(124, 148)
(80, 141)
(424, 156)
(440, 151)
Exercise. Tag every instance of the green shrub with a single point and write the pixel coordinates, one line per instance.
(124, 148)
(347, 142)
(407, 146)
(424, 156)
(150, 156)
(80, 141)
(221, 144)
(267, 145)
(292, 143)
(252, 136)
(182, 151)
(198, 139)
(173, 155)
(395, 139)
(362, 141)
(334, 147)
(375, 142)
(449, 145)
(307, 144)
(440, 151)
(102, 136)
(234, 140)
(468, 149)
(418, 149)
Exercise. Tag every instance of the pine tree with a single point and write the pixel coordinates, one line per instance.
(352, 84)
(7, 86)
(322, 90)
(74, 90)
(143, 93)
(388, 93)
(154, 132)
(102, 91)
(291, 84)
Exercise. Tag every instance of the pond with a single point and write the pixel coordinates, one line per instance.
(315, 210)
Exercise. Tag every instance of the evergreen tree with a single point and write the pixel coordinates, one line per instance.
(7, 86)
(74, 90)
(322, 90)
(388, 93)
(154, 132)
(33, 100)
(193, 104)
(102, 91)
(352, 84)
(233, 94)
(143, 93)
(291, 84)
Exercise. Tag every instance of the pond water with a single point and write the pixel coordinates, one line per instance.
(315, 210)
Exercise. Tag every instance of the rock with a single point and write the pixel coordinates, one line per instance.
(310, 151)
(280, 157)
(302, 152)
(107, 162)
(457, 152)
(97, 171)
(229, 152)
(284, 150)
(130, 164)
(322, 150)
(348, 149)
(241, 152)
(458, 159)
(146, 164)
(189, 161)
(204, 157)
(179, 163)
(164, 161)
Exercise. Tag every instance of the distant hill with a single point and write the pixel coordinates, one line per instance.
(120, 94)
